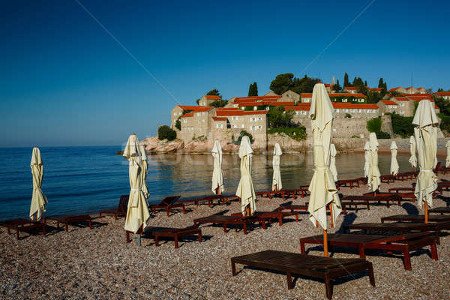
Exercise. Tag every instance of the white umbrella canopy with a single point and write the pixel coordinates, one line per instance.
(276, 179)
(373, 178)
(144, 171)
(38, 199)
(245, 189)
(333, 169)
(217, 177)
(137, 213)
(425, 134)
(394, 163)
(412, 149)
(322, 187)
(366, 159)
(447, 160)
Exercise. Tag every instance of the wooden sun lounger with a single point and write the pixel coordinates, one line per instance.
(406, 176)
(120, 211)
(440, 210)
(399, 227)
(226, 221)
(326, 269)
(370, 198)
(264, 217)
(303, 208)
(174, 233)
(416, 218)
(73, 220)
(351, 183)
(168, 204)
(387, 178)
(402, 243)
(24, 225)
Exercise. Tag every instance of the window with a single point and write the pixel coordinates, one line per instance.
(259, 118)
(219, 125)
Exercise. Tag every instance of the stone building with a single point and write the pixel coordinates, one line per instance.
(206, 100)
(445, 95)
(350, 89)
(180, 110)
(388, 106)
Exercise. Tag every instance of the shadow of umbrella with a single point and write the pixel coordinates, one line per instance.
(410, 209)
(349, 219)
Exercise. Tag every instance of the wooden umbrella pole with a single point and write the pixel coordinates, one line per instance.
(425, 211)
(325, 243)
(331, 216)
(218, 191)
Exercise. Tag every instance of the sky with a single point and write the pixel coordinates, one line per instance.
(79, 72)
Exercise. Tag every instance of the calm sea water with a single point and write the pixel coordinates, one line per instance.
(87, 179)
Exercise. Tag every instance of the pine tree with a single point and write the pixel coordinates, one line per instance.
(380, 83)
(337, 87)
(253, 89)
(214, 92)
(365, 82)
(346, 82)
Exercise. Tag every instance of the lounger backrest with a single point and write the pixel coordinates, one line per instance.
(169, 200)
(123, 204)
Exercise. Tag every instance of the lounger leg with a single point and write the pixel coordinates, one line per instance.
(302, 247)
(289, 281)
(176, 241)
(406, 260)
(17, 232)
(157, 241)
(245, 227)
(328, 287)
(200, 237)
(184, 209)
(90, 224)
(66, 226)
(225, 228)
(434, 253)
(233, 268)
(168, 211)
(280, 219)
(362, 254)
(371, 275)
(127, 236)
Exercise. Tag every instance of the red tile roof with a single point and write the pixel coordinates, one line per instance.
(255, 98)
(219, 119)
(375, 89)
(195, 108)
(389, 102)
(394, 89)
(306, 95)
(229, 113)
(442, 94)
(350, 88)
(356, 95)
(336, 105)
(299, 107)
(188, 115)
(213, 97)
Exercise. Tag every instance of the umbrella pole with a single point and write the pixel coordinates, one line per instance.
(425, 211)
(325, 243)
(218, 191)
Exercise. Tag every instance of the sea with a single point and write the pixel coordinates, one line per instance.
(81, 180)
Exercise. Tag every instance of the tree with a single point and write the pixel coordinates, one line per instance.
(365, 83)
(253, 89)
(281, 83)
(304, 85)
(381, 83)
(219, 103)
(214, 92)
(277, 117)
(165, 132)
(346, 82)
(337, 87)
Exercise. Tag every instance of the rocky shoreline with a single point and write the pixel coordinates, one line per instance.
(98, 264)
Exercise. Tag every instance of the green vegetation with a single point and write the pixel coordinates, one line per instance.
(346, 81)
(200, 138)
(402, 125)
(214, 92)
(166, 133)
(444, 105)
(219, 103)
(241, 135)
(280, 121)
(178, 124)
(337, 87)
(287, 81)
(445, 122)
(253, 89)
(348, 116)
(374, 125)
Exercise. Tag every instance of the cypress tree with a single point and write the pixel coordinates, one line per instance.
(253, 89)
(346, 82)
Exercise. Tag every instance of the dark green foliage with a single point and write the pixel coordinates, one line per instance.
(295, 133)
(346, 81)
(214, 92)
(278, 117)
(374, 97)
(241, 135)
(253, 89)
(337, 87)
(445, 122)
(440, 90)
(197, 101)
(165, 132)
(382, 135)
(365, 82)
(248, 108)
(287, 81)
(219, 103)
(374, 125)
(383, 85)
(444, 105)
(178, 124)
(348, 116)
(402, 125)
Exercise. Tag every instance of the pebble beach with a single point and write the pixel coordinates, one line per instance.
(98, 264)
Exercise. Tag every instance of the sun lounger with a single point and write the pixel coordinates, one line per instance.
(351, 183)
(370, 198)
(387, 178)
(326, 269)
(401, 243)
(168, 204)
(226, 221)
(265, 217)
(440, 210)
(120, 211)
(24, 225)
(398, 227)
(72, 220)
(406, 176)
(416, 218)
(173, 233)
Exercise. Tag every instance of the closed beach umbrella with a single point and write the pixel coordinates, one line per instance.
(38, 199)
(373, 178)
(276, 179)
(137, 213)
(412, 149)
(366, 158)
(217, 177)
(333, 169)
(447, 161)
(245, 189)
(322, 188)
(425, 132)
(144, 171)
(394, 162)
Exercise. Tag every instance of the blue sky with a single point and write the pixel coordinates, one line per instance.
(65, 81)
